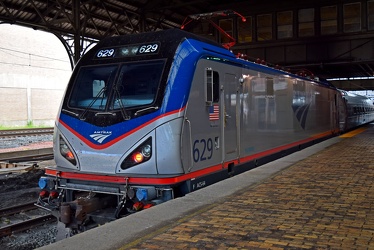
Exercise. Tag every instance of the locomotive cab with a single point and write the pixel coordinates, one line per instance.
(121, 97)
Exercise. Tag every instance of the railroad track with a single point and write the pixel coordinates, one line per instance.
(24, 160)
(31, 157)
(23, 225)
(25, 132)
(17, 209)
(19, 160)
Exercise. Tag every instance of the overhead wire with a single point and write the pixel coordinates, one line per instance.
(28, 57)
(27, 53)
(27, 65)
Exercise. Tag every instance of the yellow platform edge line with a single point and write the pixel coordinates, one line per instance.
(353, 132)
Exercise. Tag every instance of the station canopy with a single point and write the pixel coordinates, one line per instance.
(79, 24)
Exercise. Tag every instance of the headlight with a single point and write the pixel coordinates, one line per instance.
(66, 151)
(141, 154)
(147, 150)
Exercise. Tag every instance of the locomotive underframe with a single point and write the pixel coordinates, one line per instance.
(81, 205)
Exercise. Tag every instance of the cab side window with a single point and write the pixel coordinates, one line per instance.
(212, 86)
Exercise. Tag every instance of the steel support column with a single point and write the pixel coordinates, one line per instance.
(77, 29)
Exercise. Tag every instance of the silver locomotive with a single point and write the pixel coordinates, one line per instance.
(153, 116)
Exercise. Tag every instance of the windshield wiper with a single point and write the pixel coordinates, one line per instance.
(82, 115)
(145, 110)
(117, 95)
(70, 112)
(105, 113)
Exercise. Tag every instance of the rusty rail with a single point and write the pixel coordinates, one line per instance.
(25, 132)
(25, 225)
(17, 209)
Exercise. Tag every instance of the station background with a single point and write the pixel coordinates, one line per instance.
(34, 72)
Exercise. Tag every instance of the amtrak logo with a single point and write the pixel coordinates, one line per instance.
(301, 112)
(100, 136)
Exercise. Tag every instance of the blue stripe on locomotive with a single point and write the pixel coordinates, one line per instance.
(177, 88)
(175, 96)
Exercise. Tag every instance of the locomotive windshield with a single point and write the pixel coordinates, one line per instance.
(137, 84)
(91, 87)
(117, 86)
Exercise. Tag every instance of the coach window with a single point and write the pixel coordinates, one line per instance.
(352, 17)
(306, 22)
(245, 30)
(264, 27)
(269, 87)
(329, 22)
(370, 14)
(212, 86)
(284, 24)
(299, 95)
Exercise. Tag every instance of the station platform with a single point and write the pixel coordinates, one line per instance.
(319, 198)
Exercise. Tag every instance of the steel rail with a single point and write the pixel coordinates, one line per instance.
(24, 225)
(25, 132)
(28, 158)
(17, 209)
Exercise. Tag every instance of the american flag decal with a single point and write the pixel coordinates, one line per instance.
(214, 112)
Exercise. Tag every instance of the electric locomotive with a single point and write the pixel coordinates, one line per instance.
(153, 116)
